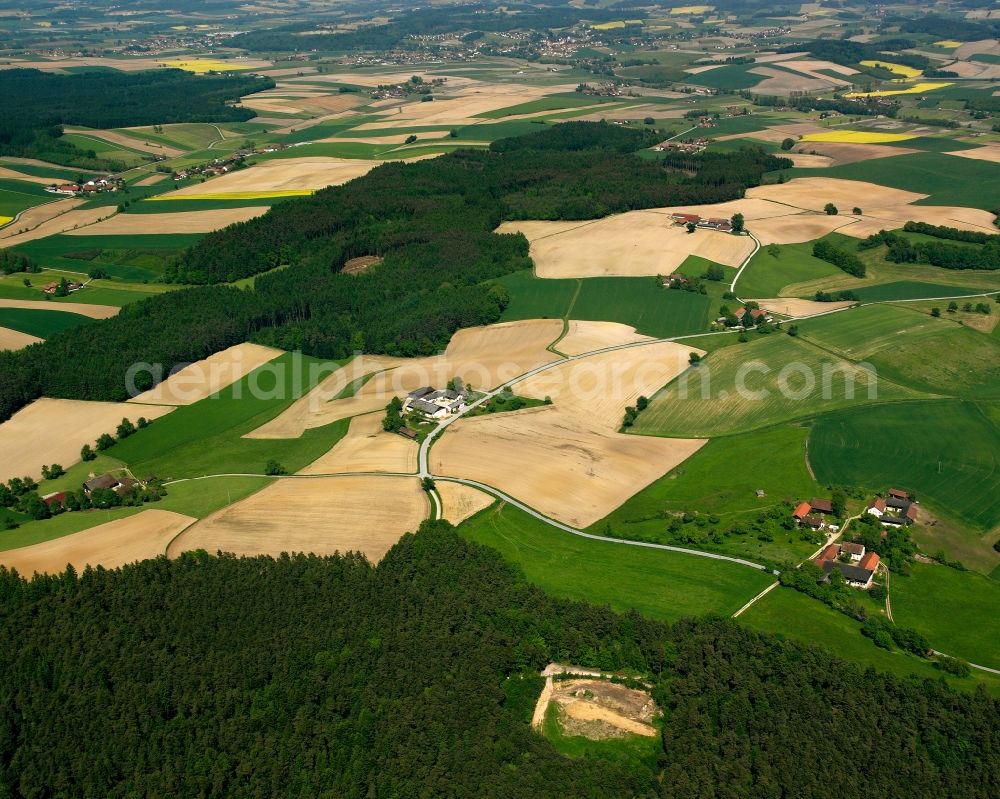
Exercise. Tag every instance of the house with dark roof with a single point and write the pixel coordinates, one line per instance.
(894, 510)
(434, 404)
(854, 575)
(821, 506)
(858, 573)
(120, 485)
(856, 551)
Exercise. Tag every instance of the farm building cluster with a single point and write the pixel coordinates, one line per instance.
(811, 514)
(433, 404)
(92, 186)
(853, 561)
(705, 223)
(897, 509)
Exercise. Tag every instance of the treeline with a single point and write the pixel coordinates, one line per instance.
(321, 677)
(849, 54)
(951, 233)
(902, 250)
(432, 222)
(951, 27)
(40, 103)
(831, 253)
(860, 107)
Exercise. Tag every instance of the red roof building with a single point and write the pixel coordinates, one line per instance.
(896, 493)
(801, 511)
(830, 552)
(683, 219)
(870, 561)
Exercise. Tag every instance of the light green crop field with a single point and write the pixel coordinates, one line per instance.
(106, 150)
(859, 333)
(947, 451)
(786, 612)
(659, 584)
(554, 102)
(206, 437)
(708, 483)
(41, 323)
(771, 379)
(958, 612)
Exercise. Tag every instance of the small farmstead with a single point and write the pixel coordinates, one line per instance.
(856, 565)
(433, 404)
(897, 509)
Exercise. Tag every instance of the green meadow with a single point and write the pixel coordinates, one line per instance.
(786, 612)
(708, 483)
(859, 333)
(130, 259)
(659, 584)
(635, 301)
(958, 612)
(771, 269)
(947, 451)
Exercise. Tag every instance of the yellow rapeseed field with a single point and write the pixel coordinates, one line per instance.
(857, 137)
(234, 195)
(895, 69)
(621, 23)
(5, 220)
(691, 9)
(950, 44)
(917, 88)
(203, 65)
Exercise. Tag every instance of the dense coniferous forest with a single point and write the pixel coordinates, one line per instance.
(326, 677)
(38, 104)
(431, 221)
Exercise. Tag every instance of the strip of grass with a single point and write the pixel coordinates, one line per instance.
(206, 437)
(41, 323)
(771, 379)
(196, 498)
(909, 290)
(786, 612)
(948, 451)
(958, 612)
(708, 483)
(663, 585)
(859, 333)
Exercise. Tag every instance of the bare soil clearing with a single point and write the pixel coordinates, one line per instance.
(847, 153)
(283, 174)
(777, 81)
(567, 459)
(598, 709)
(461, 501)
(82, 308)
(483, 357)
(54, 430)
(589, 336)
(177, 222)
(15, 339)
(635, 243)
(367, 448)
(322, 515)
(204, 378)
(988, 152)
(355, 266)
(809, 161)
(110, 545)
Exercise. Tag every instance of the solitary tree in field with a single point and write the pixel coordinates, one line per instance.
(427, 484)
(857, 211)
(952, 306)
(106, 441)
(935, 312)
(831, 209)
(694, 359)
(774, 250)
(788, 144)
(87, 453)
(272, 467)
(691, 227)
(737, 222)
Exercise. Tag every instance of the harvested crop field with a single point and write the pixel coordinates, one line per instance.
(795, 308)
(322, 515)
(367, 448)
(13, 174)
(178, 222)
(809, 160)
(812, 194)
(131, 142)
(780, 82)
(82, 308)
(208, 376)
(50, 219)
(461, 501)
(632, 244)
(482, 356)
(778, 133)
(848, 153)
(988, 152)
(53, 430)
(112, 544)
(15, 339)
(797, 227)
(281, 174)
(567, 459)
(589, 336)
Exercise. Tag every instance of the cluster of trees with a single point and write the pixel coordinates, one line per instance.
(896, 549)
(107, 441)
(831, 253)
(951, 27)
(330, 677)
(902, 250)
(835, 296)
(632, 412)
(886, 635)
(432, 222)
(40, 103)
(393, 421)
(850, 53)
(12, 262)
(859, 107)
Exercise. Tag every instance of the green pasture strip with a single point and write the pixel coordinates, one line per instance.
(910, 290)
(948, 451)
(41, 323)
(773, 268)
(786, 612)
(53, 171)
(659, 584)
(859, 333)
(707, 484)
(206, 437)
